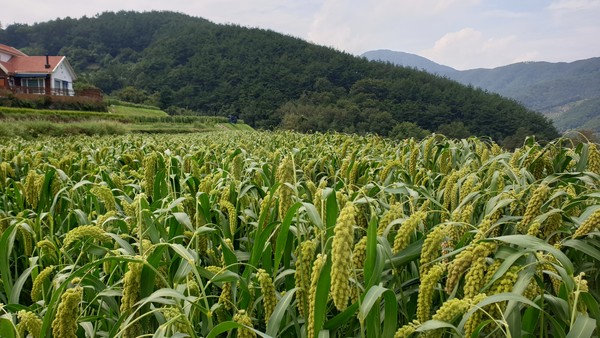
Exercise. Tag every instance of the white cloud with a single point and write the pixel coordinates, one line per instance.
(574, 5)
(470, 48)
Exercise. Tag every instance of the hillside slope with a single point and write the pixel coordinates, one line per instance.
(265, 77)
(550, 88)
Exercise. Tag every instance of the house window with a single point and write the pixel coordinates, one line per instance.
(57, 84)
(33, 85)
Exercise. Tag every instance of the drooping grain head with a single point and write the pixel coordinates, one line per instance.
(268, 292)
(426, 289)
(312, 294)
(242, 318)
(341, 258)
(29, 322)
(131, 295)
(64, 324)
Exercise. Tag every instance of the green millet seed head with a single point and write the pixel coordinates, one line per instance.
(475, 277)
(457, 267)
(467, 186)
(388, 169)
(27, 240)
(533, 207)
(242, 318)
(506, 282)
(226, 297)
(426, 289)
(84, 231)
(268, 292)
(150, 167)
(237, 165)
(285, 174)
(407, 228)
(406, 330)
(38, 283)
(64, 324)
(593, 158)
(483, 229)
(306, 252)
(450, 310)
(105, 195)
(33, 187)
(6, 171)
(534, 228)
(29, 322)
(359, 253)
(341, 259)
(102, 220)
(312, 293)
(432, 247)
(476, 317)
(173, 315)
(215, 269)
(591, 223)
(131, 295)
(396, 211)
(580, 283)
(231, 214)
(46, 245)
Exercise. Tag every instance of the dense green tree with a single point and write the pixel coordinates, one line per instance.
(406, 130)
(456, 129)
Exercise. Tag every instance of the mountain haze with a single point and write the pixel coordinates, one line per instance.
(409, 60)
(268, 79)
(551, 88)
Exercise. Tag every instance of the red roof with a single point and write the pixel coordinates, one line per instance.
(10, 50)
(31, 64)
(23, 64)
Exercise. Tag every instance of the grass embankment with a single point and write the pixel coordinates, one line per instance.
(120, 119)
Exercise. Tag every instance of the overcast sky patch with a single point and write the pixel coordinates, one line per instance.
(462, 34)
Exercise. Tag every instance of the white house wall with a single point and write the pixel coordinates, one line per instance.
(62, 73)
(5, 57)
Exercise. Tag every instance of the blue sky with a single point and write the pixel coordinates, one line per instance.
(459, 33)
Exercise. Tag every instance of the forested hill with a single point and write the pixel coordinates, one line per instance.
(268, 78)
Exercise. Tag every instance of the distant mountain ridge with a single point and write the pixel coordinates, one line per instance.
(409, 60)
(554, 89)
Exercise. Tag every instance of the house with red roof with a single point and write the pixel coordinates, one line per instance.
(21, 73)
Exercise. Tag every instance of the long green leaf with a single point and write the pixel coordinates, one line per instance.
(284, 229)
(322, 293)
(277, 316)
(18, 286)
(7, 328)
(583, 327)
(537, 244)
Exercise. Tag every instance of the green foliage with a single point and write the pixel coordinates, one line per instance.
(135, 95)
(52, 102)
(458, 129)
(139, 230)
(407, 130)
(267, 77)
(131, 110)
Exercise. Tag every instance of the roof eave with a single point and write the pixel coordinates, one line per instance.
(68, 65)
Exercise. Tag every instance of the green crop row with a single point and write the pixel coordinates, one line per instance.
(287, 235)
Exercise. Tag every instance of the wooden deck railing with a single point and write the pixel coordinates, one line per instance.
(42, 91)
